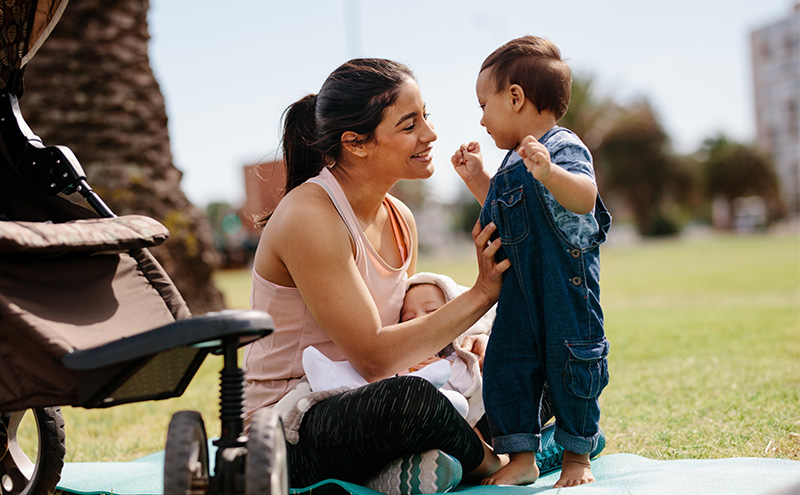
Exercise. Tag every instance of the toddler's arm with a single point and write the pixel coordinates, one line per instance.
(575, 192)
(468, 163)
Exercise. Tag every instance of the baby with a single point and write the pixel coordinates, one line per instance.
(455, 371)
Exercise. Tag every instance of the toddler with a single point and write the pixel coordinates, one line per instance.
(549, 323)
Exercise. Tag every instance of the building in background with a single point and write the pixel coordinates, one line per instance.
(263, 188)
(776, 83)
(237, 229)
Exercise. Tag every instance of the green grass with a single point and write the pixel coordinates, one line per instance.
(705, 355)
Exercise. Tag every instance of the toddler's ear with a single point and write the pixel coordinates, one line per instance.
(517, 97)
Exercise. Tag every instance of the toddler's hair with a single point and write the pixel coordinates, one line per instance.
(535, 64)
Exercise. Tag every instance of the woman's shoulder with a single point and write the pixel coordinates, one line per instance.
(306, 214)
(303, 203)
(304, 229)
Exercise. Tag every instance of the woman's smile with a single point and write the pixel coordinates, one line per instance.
(425, 156)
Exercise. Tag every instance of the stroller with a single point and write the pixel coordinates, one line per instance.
(89, 318)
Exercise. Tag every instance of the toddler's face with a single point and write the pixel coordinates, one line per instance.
(421, 300)
(498, 116)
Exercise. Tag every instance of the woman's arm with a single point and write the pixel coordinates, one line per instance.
(309, 241)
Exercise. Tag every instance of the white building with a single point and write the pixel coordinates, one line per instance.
(776, 72)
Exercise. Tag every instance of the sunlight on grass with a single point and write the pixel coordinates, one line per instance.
(705, 355)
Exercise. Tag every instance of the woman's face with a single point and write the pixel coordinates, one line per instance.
(403, 140)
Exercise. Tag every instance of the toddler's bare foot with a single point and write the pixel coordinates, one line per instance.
(575, 470)
(520, 470)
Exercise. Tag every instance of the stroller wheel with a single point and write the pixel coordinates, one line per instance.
(266, 469)
(186, 455)
(32, 449)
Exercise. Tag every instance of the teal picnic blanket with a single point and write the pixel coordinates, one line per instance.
(616, 474)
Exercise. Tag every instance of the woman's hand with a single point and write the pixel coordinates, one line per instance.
(476, 344)
(490, 272)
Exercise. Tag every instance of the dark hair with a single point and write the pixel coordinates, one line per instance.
(353, 98)
(535, 64)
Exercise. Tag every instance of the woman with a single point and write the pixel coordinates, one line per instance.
(331, 268)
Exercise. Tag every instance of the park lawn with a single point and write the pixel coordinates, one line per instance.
(705, 355)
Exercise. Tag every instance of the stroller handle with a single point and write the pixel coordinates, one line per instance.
(50, 169)
(208, 330)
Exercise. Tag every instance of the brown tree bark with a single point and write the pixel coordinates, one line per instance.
(90, 87)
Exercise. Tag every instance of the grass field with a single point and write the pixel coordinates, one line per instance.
(705, 355)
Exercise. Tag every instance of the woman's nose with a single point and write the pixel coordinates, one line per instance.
(430, 135)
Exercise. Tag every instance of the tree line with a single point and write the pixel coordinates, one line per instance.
(643, 179)
(91, 87)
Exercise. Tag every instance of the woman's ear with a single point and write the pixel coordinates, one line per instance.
(354, 143)
(517, 97)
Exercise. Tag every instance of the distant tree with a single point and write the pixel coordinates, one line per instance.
(636, 163)
(466, 212)
(734, 170)
(91, 87)
(590, 114)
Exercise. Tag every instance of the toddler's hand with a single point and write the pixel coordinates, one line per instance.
(536, 157)
(468, 161)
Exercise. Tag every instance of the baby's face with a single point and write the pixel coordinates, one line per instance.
(421, 300)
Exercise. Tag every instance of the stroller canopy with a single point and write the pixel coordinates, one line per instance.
(24, 25)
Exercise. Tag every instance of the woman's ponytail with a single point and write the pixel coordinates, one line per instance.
(303, 161)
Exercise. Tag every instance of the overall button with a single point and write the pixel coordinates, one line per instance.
(576, 281)
(576, 253)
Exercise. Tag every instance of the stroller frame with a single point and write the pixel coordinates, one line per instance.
(145, 364)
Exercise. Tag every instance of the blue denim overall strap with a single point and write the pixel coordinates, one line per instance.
(549, 323)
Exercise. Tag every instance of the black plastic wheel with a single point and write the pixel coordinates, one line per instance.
(266, 470)
(32, 449)
(186, 455)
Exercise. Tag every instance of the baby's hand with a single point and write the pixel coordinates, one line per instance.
(468, 161)
(536, 157)
(477, 345)
(425, 363)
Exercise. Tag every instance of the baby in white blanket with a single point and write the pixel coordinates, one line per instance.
(453, 370)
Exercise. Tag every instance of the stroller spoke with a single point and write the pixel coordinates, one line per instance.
(31, 451)
(12, 479)
(16, 461)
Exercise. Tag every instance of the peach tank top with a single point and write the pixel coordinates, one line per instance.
(273, 365)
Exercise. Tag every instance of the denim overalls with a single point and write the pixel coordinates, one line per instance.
(549, 323)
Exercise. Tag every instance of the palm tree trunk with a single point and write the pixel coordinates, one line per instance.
(90, 87)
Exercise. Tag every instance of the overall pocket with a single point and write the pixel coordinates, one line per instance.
(511, 216)
(586, 373)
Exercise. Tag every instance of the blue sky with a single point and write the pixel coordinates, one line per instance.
(227, 73)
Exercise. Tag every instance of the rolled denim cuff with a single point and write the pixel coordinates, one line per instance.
(518, 442)
(577, 444)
